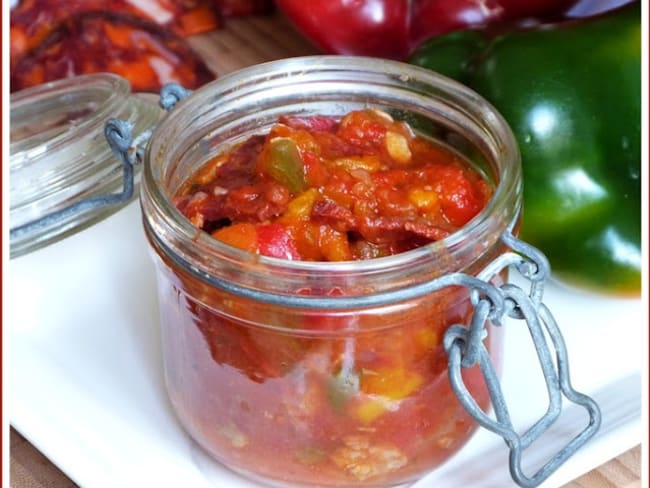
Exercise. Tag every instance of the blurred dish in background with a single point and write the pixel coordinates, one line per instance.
(141, 40)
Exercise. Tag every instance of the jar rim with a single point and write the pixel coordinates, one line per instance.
(505, 202)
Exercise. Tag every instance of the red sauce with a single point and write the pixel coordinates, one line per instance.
(293, 401)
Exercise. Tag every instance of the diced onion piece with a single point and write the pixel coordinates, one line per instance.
(382, 115)
(398, 147)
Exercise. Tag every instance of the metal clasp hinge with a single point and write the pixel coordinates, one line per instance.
(465, 348)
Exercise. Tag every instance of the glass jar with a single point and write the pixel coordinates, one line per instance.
(59, 156)
(310, 373)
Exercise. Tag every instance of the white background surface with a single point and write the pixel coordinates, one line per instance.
(84, 373)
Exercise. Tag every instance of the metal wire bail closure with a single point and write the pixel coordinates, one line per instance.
(128, 150)
(118, 134)
(465, 348)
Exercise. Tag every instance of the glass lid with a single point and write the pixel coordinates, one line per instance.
(59, 154)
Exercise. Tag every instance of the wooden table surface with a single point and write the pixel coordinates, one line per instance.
(243, 42)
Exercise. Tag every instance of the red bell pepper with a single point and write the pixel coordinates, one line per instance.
(393, 28)
(266, 239)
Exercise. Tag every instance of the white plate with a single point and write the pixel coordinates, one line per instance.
(85, 386)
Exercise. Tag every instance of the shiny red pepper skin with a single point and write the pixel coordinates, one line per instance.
(393, 28)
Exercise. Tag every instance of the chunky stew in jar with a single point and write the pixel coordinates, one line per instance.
(290, 230)
(322, 189)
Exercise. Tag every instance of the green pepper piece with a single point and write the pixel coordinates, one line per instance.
(342, 387)
(285, 164)
(571, 92)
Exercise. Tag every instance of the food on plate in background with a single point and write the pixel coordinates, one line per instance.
(142, 40)
(32, 21)
(393, 28)
(571, 92)
(145, 54)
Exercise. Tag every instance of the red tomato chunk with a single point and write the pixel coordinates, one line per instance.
(360, 187)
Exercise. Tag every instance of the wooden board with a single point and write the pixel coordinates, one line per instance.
(241, 43)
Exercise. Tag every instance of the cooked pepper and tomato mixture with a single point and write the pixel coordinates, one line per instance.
(323, 189)
(353, 396)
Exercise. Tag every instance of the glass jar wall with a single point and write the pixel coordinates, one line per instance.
(308, 373)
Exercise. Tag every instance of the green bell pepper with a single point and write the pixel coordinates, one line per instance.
(571, 92)
(285, 165)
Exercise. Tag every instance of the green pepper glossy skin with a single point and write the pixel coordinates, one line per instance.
(571, 92)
